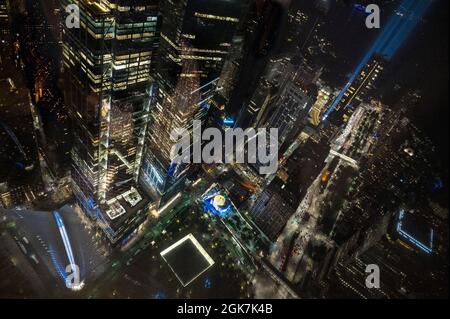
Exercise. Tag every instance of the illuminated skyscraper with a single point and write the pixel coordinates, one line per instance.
(196, 37)
(363, 83)
(292, 106)
(107, 64)
(323, 97)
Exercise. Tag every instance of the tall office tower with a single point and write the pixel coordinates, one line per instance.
(293, 106)
(263, 31)
(289, 110)
(357, 91)
(4, 20)
(262, 98)
(107, 64)
(196, 37)
(273, 208)
(229, 77)
(363, 83)
(278, 72)
(323, 97)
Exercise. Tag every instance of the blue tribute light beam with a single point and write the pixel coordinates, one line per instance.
(395, 32)
(411, 22)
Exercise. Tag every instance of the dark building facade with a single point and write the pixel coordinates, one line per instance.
(272, 209)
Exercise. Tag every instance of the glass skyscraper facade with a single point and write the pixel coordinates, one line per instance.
(108, 63)
(196, 37)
